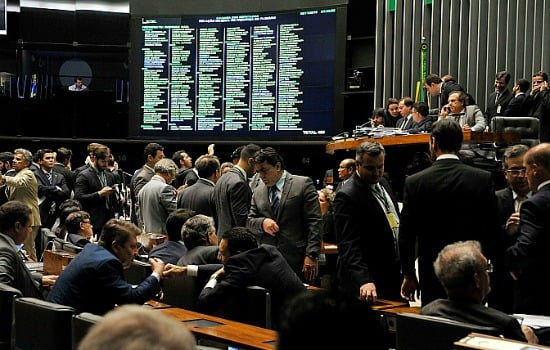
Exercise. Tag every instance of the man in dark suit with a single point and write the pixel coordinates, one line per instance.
(406, 121)
(93, 189)
(247, 264)
(199, 236)
(445, 203)
(437, 87)
(528, 258)
(464, 273)
(15, 227)
(94, 280)
(509, 202)
(52, 187)
(366, 216)
(232, 194)
(285, 213)
(346, 169)
(538, 104)
(199, 197)
(62, 165)
(498, 100)
(171, 250)
(516, 106)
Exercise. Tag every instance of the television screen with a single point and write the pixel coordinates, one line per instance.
(272, 76)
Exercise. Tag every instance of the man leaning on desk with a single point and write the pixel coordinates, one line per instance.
(94, 280)
(15, 227)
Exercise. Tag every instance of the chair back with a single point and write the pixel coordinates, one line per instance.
(7, 295)
(40, 324)
(181, 291)
(527, 127)
(137, 272)
(81, 324)
(419, 332)
(254, 307)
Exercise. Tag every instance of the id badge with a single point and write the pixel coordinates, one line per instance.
(392, 220)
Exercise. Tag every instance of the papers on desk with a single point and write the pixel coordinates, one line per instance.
(377, 132)
(533, 321)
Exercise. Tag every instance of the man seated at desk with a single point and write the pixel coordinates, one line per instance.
(94, 280)
(15, 227)
(78, 85)
(463, 271)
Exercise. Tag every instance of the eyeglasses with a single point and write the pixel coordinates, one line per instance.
(516, 172)
(490, 268)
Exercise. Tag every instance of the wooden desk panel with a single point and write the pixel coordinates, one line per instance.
(469, 136)
(389, 315)
(228, 332)
(55, 262)
(488, 342)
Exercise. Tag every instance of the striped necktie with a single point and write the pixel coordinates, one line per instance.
(274, 199)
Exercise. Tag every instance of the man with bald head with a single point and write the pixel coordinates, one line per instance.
(528, 258)
(346, 169)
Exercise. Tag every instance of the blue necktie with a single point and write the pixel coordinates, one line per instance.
(274, 199)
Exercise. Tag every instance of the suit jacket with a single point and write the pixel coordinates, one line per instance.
(516, 107)
(299, 219)
(67, 174)
(143, 177)
(447, 88)
(462, 205)
(190, 176)
(493, 105)
(232, 196)
(475, 313)
(13, 270)
(48, 194)
(367, 249)
(473, 117)
(24, 187)
(157, 200)
(87, 187)
(539, 107)
(425, 125)
(169, 252)
(502, 284)
(529, 257)
(263, 266)
(200, 255)
(405, 123)
(199, 197)
(94, 282)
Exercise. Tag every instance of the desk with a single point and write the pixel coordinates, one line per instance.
(389, 315)
(55, 262)
(419, 139)
(224, 331)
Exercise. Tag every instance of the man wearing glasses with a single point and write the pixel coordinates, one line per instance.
(464, 273)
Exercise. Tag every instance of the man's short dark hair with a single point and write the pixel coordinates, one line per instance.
(117, 230)
(207, 165)
(249, 151)
(541, 74)
(523, 85)
(270, 156)
(63, 154)
(73, 220)
(151, 149)
(503, 74)
(433, 79)
(448, 135)
(102, 152)
(239, 239)
(39, 154)
(422, 108)
(175, 221)
(11, 212)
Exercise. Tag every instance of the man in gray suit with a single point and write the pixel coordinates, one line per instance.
(285, 213)
(157, 199)
(15, 227)
(232, 194)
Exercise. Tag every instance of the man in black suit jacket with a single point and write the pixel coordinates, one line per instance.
(93, 188)
(528, 258)
(52, 187)
(199, 197)
(15, 227)
(437, 87)
(516, 106)
(509, 202)
(498, 100)
(538, 104)
(445, 203)
(247, 264)
(366, 216)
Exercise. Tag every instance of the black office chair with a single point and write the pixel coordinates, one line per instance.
(253, 306)
(7, 295)
(527, 127)
(182, 291)
(39, 324)
(420, 332)
(80, 325)
(137, 272)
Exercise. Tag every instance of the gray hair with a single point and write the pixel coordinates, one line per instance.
(166, 166)
(196, 229)
(26, 154)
